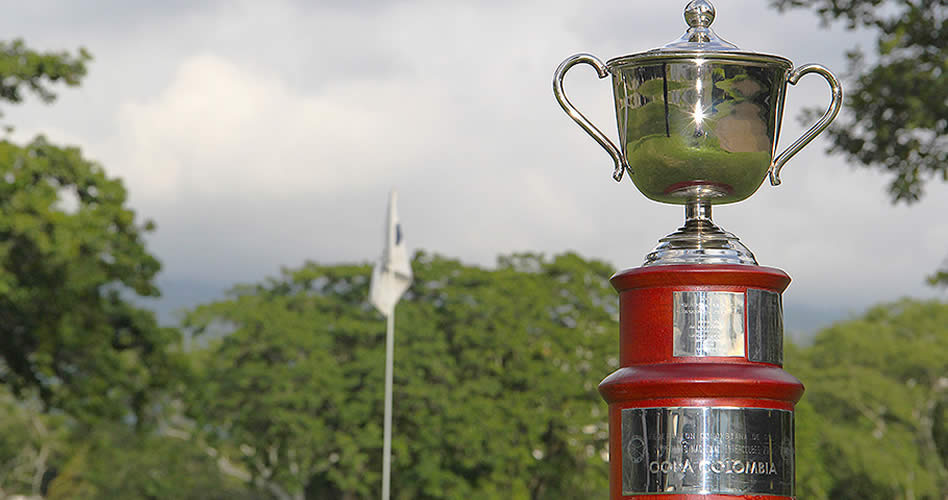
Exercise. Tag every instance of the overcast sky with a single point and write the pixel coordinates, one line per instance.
(261, 134)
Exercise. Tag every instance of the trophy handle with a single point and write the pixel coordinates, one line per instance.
(820, 126)
(579, 118)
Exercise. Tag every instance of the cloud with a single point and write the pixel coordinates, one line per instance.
(220, 128)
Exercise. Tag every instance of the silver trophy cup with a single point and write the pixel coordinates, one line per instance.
(699, 124)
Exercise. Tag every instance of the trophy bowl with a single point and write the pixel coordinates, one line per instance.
(698, 119)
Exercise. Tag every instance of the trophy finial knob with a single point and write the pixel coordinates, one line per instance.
(699, 14)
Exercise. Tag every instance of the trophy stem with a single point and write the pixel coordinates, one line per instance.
(700, 241)
(696, 210)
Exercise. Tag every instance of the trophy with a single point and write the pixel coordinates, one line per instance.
(699, 122)
(700, 406)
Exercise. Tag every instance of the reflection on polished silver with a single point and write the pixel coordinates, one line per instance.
(699, 241)
(698, 119)
(699, 14)
(581, 119)
(730, 451)
(708, 323)
(764, 326)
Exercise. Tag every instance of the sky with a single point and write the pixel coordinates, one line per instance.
(259, 135)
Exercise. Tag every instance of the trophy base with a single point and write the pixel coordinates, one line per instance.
(700, 407)
(700, 241)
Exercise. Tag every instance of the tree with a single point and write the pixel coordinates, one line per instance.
(71, 255)
(23, 69)
(496, 374)
(31, 444)
(116, 462)
(874, 421)
(897, 102)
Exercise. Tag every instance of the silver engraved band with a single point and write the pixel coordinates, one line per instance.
(707, 450)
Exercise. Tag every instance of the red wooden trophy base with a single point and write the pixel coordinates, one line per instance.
(693, 415)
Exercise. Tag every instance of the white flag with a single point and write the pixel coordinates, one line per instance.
(391, 276)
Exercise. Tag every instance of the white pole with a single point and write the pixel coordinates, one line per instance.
(387, 445)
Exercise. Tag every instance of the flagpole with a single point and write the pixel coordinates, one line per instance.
(391, 278)
(387, 445)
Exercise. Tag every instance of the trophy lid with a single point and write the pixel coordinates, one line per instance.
(700, 40)
(699, 14)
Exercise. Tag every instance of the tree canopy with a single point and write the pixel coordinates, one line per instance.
(874, 421)
(897, 99)
(71, 255)
(24, 70)
(496, 381)
(83, 370)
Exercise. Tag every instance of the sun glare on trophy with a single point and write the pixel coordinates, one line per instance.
(699, 114)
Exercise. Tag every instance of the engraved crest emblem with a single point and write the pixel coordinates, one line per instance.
(635, 449)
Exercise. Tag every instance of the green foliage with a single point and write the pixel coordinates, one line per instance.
(31, 443)
(70, 255)
(873, 422)
(898, 102)
(115, 462)
(70, 252)
(80, 366)
(495, 381)
(940, 277)
(22, 68)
